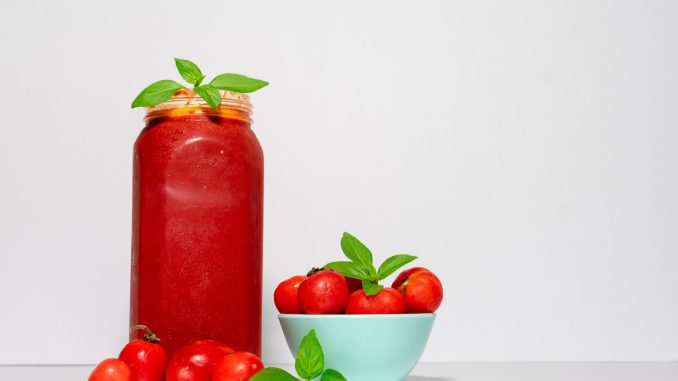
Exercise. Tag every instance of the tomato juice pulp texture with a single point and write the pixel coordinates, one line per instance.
(197, 230)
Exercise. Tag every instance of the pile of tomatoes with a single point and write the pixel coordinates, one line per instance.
(205, 360)
(416, 290)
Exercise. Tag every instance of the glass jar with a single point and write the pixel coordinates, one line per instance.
(198, 224)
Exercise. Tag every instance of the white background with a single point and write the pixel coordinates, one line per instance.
(527, 151)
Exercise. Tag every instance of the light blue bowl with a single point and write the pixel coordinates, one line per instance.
(364, 347)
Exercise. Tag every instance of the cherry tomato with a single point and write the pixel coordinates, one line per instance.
(387, 301)
(285, 295)
(195, 361)
(237, 366)
(111, 370)
(145, 357)
(422, 290)
(324, 292)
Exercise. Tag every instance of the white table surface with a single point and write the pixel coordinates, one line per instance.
(622, 371)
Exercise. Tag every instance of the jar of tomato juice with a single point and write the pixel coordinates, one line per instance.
(198, 223)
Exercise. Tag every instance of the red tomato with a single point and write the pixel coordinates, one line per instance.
(195, 361)
(285, 295)
(145, 357)
(111, 370)
(422, 290)
(324, 292)
(387, 301)
(353, 284)
(237, 366)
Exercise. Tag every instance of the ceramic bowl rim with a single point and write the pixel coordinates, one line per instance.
(356, 317)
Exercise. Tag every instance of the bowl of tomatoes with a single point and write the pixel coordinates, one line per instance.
(368, 332)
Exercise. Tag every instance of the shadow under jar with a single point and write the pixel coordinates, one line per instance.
(198, 224)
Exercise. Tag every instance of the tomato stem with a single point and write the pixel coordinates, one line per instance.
(148, 336)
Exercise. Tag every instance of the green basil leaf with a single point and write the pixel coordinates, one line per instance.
(356, 250)
(371, 288)
(273, 374)
(373, 273)
(349, 269)
(200, 80)
(156, 93)
(310, 360)
(332, 375)
(393, 263)
(210, 94)
(189, 71)
(238, 83)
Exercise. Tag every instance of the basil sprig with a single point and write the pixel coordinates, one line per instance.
(310, 360)
(361, 264)
(309, 364)
(156, 93)
(189, 71)
(162, 90)
(238, 83)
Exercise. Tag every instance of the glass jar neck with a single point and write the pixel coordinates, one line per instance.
(187, 104)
